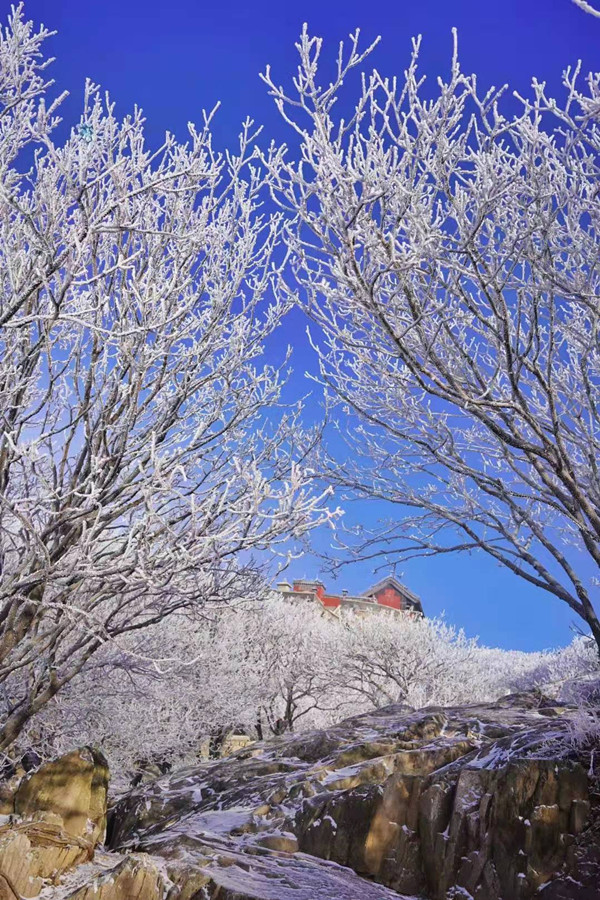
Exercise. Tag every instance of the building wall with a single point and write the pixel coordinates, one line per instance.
(389, 596)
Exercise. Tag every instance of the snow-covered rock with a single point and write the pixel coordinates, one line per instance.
(485, 802)
(474, 801)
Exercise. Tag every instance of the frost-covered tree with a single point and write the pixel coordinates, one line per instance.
(265, 666)
(571, 673)
(169, 691)
(290, 647)
(448, 253)
(254, 665)
(142, 457)
(389, 658)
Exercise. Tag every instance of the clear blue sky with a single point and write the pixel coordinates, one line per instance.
(175, 58)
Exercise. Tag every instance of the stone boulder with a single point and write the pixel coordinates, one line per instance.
(58, 817)
(73, 787)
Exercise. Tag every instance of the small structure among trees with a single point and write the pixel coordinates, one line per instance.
(389, 593)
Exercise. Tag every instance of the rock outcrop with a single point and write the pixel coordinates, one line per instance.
(74, 787)
(58, 818)
(483, 802)
(475, 802)
(133, 878)
(32, 853)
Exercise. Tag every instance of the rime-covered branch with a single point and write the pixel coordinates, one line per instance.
(144, 449)
(448, 255)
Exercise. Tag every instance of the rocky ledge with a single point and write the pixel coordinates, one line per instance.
(484, 802)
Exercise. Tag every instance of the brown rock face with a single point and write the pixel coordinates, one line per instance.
(136, 878)
(509, 829)
(74, 787)
(62, 810)
(475, 802)
(34, 852)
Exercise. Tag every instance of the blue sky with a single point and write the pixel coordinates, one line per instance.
(175, 58)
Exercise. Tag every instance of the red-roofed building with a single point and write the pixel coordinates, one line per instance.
(389, 593)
